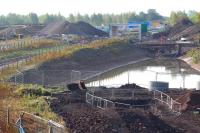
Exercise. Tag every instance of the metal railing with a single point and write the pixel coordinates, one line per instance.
(98, 101)
(173, 105)
(102, 101)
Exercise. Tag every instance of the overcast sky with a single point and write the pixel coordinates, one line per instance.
(65, 7)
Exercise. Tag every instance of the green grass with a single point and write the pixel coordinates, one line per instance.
(29, 98)
(195, 55)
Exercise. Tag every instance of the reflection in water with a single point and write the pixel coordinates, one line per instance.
(176, 72)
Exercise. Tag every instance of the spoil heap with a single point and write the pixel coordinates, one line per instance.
(83, 118)
(183, 28)
(190, 101)
(65, 27)
(179, 27)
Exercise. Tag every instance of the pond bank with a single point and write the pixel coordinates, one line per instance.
(188, 60)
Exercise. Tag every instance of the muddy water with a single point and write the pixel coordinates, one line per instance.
(176, 72)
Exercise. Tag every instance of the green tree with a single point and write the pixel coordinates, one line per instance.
(71, 18)
(177, 16)
(3, 20)
(33, 18)
(153, 15)
(194, 16)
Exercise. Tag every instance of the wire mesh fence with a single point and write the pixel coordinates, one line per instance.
(12, 121)
(22, 43)
(51, 78)
(7, 121)
(35, 124)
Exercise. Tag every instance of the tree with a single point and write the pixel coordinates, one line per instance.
(33, 18)
(194, 16)
(13, 18)
(153, 15)
(132, 17)
(3, 21)
(177, 16)
(78, 17)
(71, 18)
(44, 18)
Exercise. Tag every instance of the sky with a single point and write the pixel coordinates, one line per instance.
(65, 7)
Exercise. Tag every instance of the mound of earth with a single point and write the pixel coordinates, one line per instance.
(20, 29)
(176, 29)
(190, 101)
(179, 27)
(132, 86)
(83, 118)
(65, 27)
(190, 32)
(82, 28)
(54, 28)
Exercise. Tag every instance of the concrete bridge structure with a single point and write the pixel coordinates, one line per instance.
(167, 46)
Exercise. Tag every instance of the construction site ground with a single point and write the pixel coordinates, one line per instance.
(81, 117)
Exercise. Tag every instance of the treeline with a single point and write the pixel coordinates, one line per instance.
(105, 19)
(31, 18)
(94, 19)
(99, 19)
(194, 16)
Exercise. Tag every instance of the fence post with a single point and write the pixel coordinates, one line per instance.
(171, 101)
(50, 129)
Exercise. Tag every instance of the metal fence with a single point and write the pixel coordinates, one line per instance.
(116, 93)
(19, 44)
(168, 101)
(16, 62)
(51, 78)
(98, 101)
(34, 124)
(7, 121)
(14, 121)
(104, 96)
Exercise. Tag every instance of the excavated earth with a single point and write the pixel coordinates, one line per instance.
(81, 117)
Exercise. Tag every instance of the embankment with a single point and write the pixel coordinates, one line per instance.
(189, 61)
(89, 61)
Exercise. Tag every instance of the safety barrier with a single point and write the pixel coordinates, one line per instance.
(103, 103)
(173, 105)
(98, 101)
